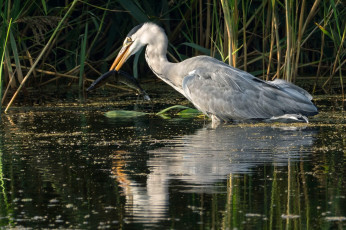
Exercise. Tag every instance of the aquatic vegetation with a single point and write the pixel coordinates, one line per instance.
(124, 114)
(175, 110)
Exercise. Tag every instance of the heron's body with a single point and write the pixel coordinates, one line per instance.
(220, 91)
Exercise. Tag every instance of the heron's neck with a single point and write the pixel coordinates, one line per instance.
(156, 57)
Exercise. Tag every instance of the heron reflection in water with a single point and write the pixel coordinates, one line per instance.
(220, 91)
(202, 161)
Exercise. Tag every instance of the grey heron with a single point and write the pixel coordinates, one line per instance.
(220, 91)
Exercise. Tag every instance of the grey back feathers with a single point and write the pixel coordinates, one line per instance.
(231, 94)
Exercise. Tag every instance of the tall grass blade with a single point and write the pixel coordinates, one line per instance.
(44, 5)
(271, 46)
(16, 57)
(99, 29)
(134, 10)
(336, 17)
(4, 43)
(82, 59)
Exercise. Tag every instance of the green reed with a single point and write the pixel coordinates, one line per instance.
(3, 42)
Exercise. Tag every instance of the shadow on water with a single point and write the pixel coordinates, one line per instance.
(75, 168)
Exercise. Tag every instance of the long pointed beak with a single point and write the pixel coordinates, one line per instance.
(121, 58)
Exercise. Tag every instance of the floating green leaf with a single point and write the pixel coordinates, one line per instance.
(183, 111)
(124, 114)
(188, 113)
(171, 108)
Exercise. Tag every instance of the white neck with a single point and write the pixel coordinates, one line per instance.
(156, 57)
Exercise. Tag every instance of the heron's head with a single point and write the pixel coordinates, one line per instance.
(138, 37)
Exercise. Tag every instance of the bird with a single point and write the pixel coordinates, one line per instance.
(220, 91)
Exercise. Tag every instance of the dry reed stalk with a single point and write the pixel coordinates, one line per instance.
(231, 20)
(207, 32)
(244, 35)
(288, 43)
(319, 63)
(66, 75)
(30, 61)
(265, 31)
(201, 32)
(277, 38)
(301, 29)
(234, 34)
(271, 49)
(337, 60)
(300, 35)
(227, 17)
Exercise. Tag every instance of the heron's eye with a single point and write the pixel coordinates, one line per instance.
(128, 41)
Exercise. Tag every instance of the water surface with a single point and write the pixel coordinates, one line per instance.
(69, 166)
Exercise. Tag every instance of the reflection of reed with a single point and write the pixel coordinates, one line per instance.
(282, 209)
(227, 219)
(5, 206)
(305, 192)
(288, 207)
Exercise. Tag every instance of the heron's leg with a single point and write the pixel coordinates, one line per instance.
(215, 121)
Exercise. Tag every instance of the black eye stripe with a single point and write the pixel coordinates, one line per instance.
(134, 30)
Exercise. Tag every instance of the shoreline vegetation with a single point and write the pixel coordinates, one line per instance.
(64, 43)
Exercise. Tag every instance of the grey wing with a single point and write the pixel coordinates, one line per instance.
(232, 94)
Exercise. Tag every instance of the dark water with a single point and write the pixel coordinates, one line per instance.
(72, 167)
